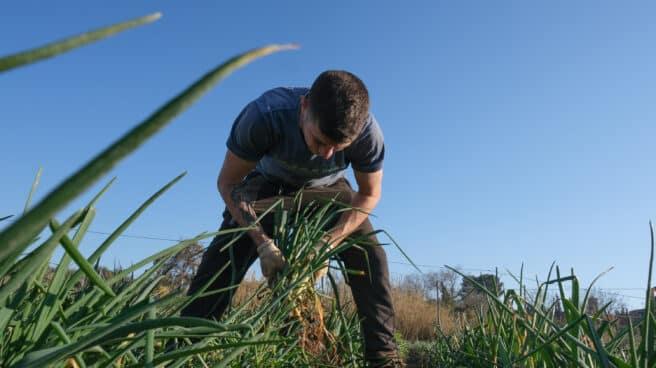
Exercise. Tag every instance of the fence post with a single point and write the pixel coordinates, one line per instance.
(439, 302)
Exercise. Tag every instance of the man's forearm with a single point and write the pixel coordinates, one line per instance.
(351, 220)
(242, 211)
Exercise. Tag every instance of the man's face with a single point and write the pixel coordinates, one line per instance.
(315, 140)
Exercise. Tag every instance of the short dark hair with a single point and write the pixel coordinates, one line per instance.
(340, 102)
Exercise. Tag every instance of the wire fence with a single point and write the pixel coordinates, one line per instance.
(616, 292)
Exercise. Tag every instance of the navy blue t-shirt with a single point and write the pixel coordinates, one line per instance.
(267, 131)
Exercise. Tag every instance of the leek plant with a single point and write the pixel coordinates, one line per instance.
(291, 308)
(518, 329)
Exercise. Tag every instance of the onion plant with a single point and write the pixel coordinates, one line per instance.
(46, 319)
(291, 309)
(518, 329)
(314, 328)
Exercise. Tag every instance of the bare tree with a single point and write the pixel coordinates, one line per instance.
(445, 282)
(471, 295)
(179, 269)
(412, 283)
(599, 298)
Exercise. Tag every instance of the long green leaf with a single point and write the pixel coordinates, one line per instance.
(43, 358)
(36, 259)
(400, 249)
(34, 185)
(633, 352)
(101, 193)
(95, 256)
(620, 363)
(135, 287)
(647, 343)
(5, 317)
(575, 298)
(55, 293)
(116, 233)
(53, 49)
(164, 253)
(16, 237)
(81, 262)
(584, 303)
(186, 352)
(601, 352)
(150, 339)
(66, 340)
(189, 324)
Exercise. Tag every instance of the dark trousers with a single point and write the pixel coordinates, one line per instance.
(371, 292)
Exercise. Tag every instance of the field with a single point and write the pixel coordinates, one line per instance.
(72, 312)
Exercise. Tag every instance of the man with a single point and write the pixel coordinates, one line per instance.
(290, 139)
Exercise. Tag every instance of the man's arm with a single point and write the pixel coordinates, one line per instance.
(365, 199)
(232, 173)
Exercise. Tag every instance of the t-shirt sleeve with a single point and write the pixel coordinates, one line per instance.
(367, 153)
(251, 135)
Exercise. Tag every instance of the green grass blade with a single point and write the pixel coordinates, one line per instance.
(67, 340)
(164, 253)
(100, 194)
(575, 298)
(34, 185)
(147, 291)
(181, 353)
(95, 256)
(116, 353)
(201, 290)
(150, 340)
(134, 287)
(36, 259)
(55, 294)
(400, 250)
(647, 343)
(584, 303)
(601, 352)
(177, 327)
(632, 344)
(563, 297)
(5, 317)
(81, 262)
(562, 333)
(16, 237)
(85, 301)
(620, 363)
(546, 287)
(116, 233)
(43, 358)
(230, 357)
(53, 49)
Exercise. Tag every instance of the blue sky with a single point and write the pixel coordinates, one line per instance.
(517, 133)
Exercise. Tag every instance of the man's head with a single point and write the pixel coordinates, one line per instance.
(333, 112)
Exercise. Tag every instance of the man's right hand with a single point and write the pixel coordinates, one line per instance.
(271, 259)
